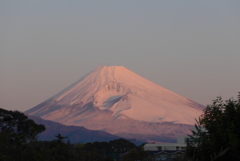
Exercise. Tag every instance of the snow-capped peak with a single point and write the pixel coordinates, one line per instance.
(122, 94)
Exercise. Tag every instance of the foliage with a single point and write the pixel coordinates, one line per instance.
(138, 155)
(217, 134)
(59, 139)
(58, 151)
(114, 146)
(16, 130)
(18, 143)
(17, 127)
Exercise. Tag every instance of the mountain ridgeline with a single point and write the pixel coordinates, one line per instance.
(116, 100)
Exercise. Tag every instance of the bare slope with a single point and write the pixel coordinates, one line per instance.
(114, 98)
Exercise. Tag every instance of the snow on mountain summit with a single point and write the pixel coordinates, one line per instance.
(119, 93)
(118, 101)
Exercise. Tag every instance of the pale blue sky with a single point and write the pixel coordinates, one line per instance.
(189, 47)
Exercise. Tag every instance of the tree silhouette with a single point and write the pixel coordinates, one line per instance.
(60, 138)
(16, 130)
(217, 134)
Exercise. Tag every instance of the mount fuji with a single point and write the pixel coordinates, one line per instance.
(118, 101)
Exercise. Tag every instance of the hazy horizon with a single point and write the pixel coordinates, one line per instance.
(189, 47)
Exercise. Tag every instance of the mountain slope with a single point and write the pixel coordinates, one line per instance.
(75, 134)
(114, 98)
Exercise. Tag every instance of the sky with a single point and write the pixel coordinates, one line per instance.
(189, 47)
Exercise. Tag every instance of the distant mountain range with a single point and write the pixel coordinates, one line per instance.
(75, 134)
(115, 100)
